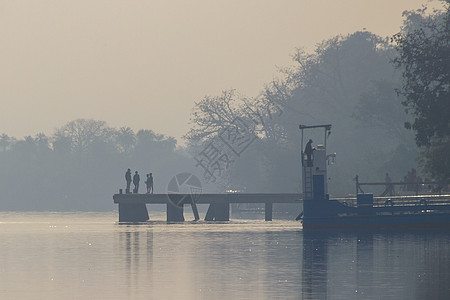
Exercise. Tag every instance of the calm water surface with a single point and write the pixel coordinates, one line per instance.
(90, 256)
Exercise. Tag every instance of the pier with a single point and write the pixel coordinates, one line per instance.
(132, 207)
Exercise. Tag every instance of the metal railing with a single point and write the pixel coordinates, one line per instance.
(406, 188)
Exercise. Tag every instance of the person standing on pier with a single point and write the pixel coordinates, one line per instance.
(309, 151)
(149, 183)
(136, 179)
(128, 179)
(389, 186)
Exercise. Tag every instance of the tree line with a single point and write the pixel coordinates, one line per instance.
(82, 164)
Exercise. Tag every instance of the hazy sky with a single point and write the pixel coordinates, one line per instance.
(143, 64)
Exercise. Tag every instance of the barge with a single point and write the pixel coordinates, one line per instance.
(320, 212)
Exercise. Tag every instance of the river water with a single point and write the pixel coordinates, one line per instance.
(90, 256)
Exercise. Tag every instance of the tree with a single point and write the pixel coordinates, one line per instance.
(42, 143)
(214, 114)
(424, 56)
(380, 106)
(211, 115)
(339, 70)
(126, 139)
(330, 84)
(6, 141)
(82, 133)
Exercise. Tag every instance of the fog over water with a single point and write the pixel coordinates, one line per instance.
(88, 256)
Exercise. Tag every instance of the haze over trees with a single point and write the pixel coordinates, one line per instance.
(252, 144)
(348, 81)
(335, 84)
(82, 164)
(424, 58)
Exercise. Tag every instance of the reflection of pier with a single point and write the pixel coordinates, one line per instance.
(132, 207)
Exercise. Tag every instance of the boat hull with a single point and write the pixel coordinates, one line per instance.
(334, 214)
(421, 220)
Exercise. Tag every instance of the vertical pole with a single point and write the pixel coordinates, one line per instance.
(301, 148)
(268, 211)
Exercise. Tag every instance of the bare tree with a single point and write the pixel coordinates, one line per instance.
(82, 133)
(213, 114)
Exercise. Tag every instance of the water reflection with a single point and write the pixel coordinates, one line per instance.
(314, 269)
(243, 261)
(383, 264)
(171, 262)
(135, 248)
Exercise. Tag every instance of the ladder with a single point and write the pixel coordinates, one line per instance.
(307, 183)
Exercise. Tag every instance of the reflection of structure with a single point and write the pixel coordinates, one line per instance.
(364, 264)
(136, 244)
(314, 273)
(376, 264)
(432, 262)
(326, 272)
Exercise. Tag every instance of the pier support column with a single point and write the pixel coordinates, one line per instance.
(218, 212)
(268, 211)
(133, 212)
(174, 213)
(195, 211)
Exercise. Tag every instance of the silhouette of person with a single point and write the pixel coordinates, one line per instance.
(389, 186)
(128, 179)
(136, 179)
(411, 180)
(149, 183)
(309, 151)
(150, 179)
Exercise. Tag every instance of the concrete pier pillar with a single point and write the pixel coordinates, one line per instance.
(174, 213)
(218, 212)
(222, 212)
(210, 213)
(268, 211)
(133, 212)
